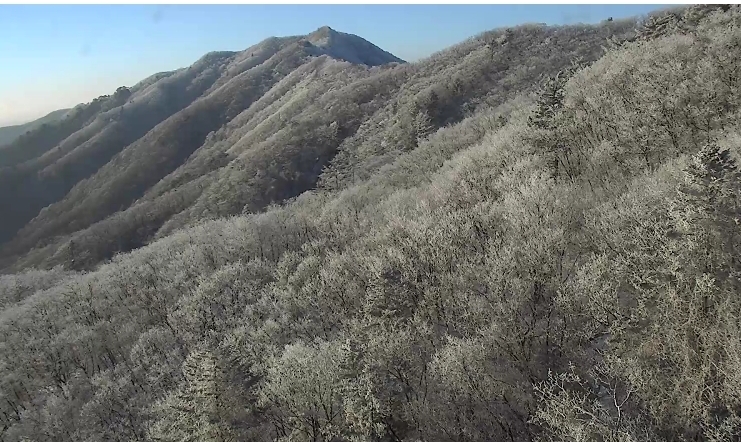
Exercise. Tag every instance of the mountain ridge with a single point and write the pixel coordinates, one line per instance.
(349, 47)
(9, 133)
(530, 236)
(60, 175)
(238, 131)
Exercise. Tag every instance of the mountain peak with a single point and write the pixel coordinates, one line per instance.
(324, 37)
(349, 47)
(324, 31)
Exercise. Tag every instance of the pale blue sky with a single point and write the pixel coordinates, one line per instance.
(55, 56)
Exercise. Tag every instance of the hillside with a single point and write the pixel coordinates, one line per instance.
(259, 127)
(530, 236)
(8, 134)
(108, 154)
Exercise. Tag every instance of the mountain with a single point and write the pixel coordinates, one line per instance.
(349, 47)
(9, 133)
(236, 132)
(530, 236)
(89, 166)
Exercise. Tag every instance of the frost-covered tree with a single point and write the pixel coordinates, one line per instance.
(199, 409)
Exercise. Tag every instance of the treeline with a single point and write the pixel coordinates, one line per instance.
(563, 269)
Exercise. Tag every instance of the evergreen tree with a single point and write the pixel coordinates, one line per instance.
(198, 410)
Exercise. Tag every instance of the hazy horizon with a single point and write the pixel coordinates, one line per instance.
(64, 55)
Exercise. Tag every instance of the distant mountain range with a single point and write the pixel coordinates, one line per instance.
(8, 134)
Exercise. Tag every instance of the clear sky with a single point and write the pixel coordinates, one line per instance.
(56, 56)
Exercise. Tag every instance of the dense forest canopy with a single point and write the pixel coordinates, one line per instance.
(530, 236)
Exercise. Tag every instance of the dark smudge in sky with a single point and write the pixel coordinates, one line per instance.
(157, 15)
(85, 50)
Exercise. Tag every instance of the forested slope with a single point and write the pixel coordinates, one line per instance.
(552, 266)
(8, 134)
(105, 155)
(304, 115)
